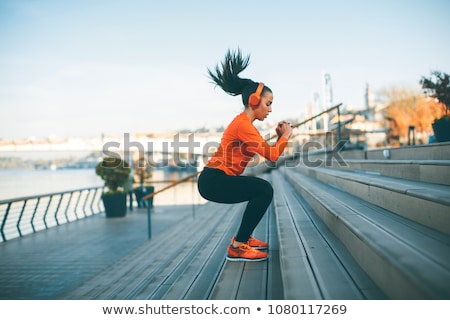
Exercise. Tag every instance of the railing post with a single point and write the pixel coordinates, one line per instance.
(76, 205)
(67, 207)
(34, 214)
(193, 200)
(93, 199)
(4, 222)
(100, 200)
(85, 202)
(46, 211)
(149, 220)
(411, 132)
(57, 208)
(339, 123)
(20, 217)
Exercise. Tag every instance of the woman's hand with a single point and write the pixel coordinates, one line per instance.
(284, 129)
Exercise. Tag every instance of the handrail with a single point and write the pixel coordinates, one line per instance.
(147, 182)
(44, 195)
(344, 133)
(148, 196)
(21, 216)
(318, 115)
(312, 118)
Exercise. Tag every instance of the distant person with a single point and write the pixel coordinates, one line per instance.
(141, 175)
(128, 187)
(221, 180)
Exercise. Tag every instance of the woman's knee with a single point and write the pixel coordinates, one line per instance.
(266, 189)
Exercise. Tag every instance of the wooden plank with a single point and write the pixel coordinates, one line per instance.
(275, 281)
(193, 253)
(145, 263)
(298, 277)
(196, 265)
(227, 284)
(126, 267)
(254, 280)
(253, 284)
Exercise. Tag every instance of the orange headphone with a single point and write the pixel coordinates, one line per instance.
(255, 97)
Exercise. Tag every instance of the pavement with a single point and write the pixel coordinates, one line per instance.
(47, 264)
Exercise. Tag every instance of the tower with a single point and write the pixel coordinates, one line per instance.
(327, 98)
(368, 97)
(327, 91)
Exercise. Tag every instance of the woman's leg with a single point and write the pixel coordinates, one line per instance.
(215, 185)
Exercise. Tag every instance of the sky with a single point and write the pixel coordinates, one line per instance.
(90, 67)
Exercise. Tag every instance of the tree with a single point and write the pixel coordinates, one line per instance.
(438, 86)
(406, 107)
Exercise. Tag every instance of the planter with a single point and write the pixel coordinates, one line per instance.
(115, 204)
(441, 128)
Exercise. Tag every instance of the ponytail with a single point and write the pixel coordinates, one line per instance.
(226, 76)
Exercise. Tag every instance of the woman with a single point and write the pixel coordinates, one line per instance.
(221, 180)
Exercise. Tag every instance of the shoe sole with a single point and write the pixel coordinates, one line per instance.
(245, 259)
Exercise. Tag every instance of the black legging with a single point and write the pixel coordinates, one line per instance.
(215, 185)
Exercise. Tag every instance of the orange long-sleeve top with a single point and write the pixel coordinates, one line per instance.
(240, 142)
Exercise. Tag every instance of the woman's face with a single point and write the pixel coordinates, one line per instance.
(265, 106)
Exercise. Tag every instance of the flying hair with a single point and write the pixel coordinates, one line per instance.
(226, 74)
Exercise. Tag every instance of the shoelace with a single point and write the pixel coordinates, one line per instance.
(246, 247)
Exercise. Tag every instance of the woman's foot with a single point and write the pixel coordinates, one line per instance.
(245, 253)
(252, 242)
(257, 244)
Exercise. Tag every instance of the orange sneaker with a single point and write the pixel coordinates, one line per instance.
(254, 243)
(245, 253)
(257, 244)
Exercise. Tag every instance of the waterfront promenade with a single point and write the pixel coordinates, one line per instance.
(377, 228)
(51, 263)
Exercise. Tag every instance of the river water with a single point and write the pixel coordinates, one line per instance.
(16, 183)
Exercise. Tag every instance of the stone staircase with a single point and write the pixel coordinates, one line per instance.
(376, 228)
(391, 213)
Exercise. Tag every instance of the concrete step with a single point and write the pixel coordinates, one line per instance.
(425, 203)
(434, 151)
(431, 171)
(314, 262)
(406, 259)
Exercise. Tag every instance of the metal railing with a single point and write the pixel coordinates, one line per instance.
(21, 216)
(26, 215)
(147, 197)
(329, 110)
